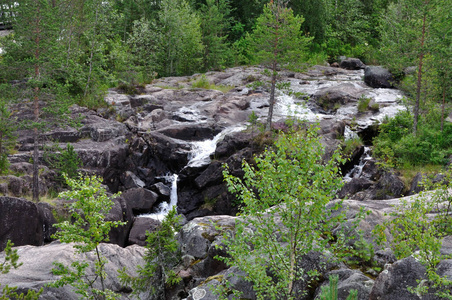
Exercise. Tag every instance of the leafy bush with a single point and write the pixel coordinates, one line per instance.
(88, 229)
(201, 83)
(285, 197)
(363, 104)
(63, 161)
(429, 146)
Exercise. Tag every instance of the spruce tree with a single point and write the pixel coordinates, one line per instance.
(215, 24)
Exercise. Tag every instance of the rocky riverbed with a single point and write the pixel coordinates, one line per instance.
(166, 145)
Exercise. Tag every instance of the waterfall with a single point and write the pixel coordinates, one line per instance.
(198, 156)
(358, 169)
(165, 207)
(201, 151)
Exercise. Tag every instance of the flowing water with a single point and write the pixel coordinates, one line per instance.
(165, 207)
(289, 106)
(358, 169)
(201, 150)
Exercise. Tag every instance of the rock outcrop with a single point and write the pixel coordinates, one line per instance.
(37, 263)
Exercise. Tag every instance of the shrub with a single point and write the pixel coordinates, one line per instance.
(363, 104)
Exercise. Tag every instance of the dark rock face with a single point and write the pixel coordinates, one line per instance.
(393, 282)
(190, 132)
(140, 200)
(389, 186)
(140, 227)
(378, 77)
(120, 212)
(24, 223)
(352, 64)
(354, 186)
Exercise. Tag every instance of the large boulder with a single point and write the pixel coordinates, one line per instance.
(37, 263)
(23, 222)
(394, 281)
(352, 64)
(140, 200)
(378, 77)
(140, 227)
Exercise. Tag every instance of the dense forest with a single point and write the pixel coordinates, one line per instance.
(73, 51)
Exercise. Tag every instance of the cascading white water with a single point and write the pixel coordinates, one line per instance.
(199, 156)
(165, 207)
(201, 151)
(358, 169)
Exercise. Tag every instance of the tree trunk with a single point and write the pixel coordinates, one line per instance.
(419, 78)
(93, 43)
(268, 127)
(101, 271)
(35, 186)
(443, 108)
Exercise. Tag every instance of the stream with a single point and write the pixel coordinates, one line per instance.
(389, 101)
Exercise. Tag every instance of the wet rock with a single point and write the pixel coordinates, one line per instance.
(378, 77)
(234, 142)
(130, 180)
(213, 174)
(163, 191)
(352, 64)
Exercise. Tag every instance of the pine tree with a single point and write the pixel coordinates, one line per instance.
(405, 40)
(278, 43)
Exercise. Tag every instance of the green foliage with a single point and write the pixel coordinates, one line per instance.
(172, 43)
(416, 233)
(330, 292)
(63, 161)
(351, 145)
(363, 104)
(202, 82)
(162, 255)
(11, 261)
(7, 137)
(88, 229)
(215, 23)
(429, 146)
(277, 41)
(285, 214)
